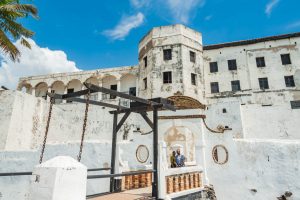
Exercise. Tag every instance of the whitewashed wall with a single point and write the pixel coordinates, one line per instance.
(268, 166)
(248, 73)
(271, 122)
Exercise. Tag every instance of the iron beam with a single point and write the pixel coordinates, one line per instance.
(155, 153)
(98, 103)
(113, 152)
(122, 121)
(119, 175)
(146, 118)
(119, 94)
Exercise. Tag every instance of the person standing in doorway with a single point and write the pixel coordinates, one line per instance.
(173, 160)
(180, 159)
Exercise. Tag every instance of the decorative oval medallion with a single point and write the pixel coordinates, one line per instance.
(142, 153)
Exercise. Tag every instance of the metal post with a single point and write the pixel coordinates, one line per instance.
(113, 152)
(155, 153)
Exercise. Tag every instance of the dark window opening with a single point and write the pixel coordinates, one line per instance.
(168, 54)
(214, 87)
(213, 67)
(132, 91)
(295, 104)
(260, 62)
(145, 83)
(263, 83)
(224, 110)
(289, 81)
(193, 78)
(167, 77)
(146, 61)
(232, 65)
(113, 87)
(235, 85)
(71, 90)
(286, 59)
(192, 56)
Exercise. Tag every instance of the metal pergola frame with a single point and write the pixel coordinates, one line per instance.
(137, 105)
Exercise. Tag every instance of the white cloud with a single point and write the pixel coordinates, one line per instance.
(34, 61)
(293, 25)
(181, 9)
(124, 27)
(139, 3)
(270, 6)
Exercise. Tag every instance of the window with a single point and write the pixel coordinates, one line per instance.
(167, 77)
(132, 91)
(214, 87)
(213, 67)
(260, 62)
(193, 78)
(168, 54)
(263, 83)
(232, 65)
(295, 104)
(289, 81)
(145, 83)
(286, 59)
(113, 87)
(235, 85)
(192, 56)
(146, 61)
(71, 90)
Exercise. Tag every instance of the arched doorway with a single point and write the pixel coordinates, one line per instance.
(180, 137)
(58, 87)
(94, 81)
(41, 90)
(73, 86)
(109, 82)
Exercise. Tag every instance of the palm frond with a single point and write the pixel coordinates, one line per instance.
(15, 29)
(23, 8)
(25, 43)
(8, 47)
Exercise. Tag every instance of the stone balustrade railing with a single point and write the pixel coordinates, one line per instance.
(181, 182)
(137, 181)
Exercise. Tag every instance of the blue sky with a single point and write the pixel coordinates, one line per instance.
(96, 34)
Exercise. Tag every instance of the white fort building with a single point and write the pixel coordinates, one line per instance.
(237, 120)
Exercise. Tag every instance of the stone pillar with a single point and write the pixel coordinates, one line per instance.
(100, 94)
(162, 168)
(61, 178)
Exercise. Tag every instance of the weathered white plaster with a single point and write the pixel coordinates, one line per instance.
(61, 178)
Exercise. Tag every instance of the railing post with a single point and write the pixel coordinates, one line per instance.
(113, 151)
(155, 153)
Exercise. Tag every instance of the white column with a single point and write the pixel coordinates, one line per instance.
(119, 85)
(100, 93)
(202, 147)
(162, 168)
(61, 178)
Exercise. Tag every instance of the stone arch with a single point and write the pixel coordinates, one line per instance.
(74, 85)
(181, 137)
(110, 82)
(93, 80)
(41, 90)
(26, 88)
(128, 84)
(58, 87)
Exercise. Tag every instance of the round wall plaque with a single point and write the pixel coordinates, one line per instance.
(142, 153)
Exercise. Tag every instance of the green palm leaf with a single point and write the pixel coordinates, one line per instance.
(10, 12)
